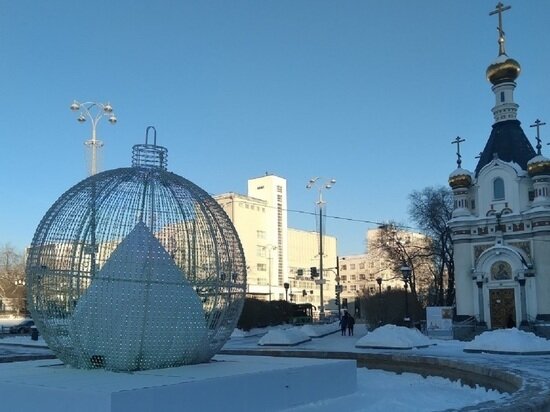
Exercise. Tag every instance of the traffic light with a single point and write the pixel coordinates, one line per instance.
(313, 272)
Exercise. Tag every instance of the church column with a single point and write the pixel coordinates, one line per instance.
(523, 302)
(479, 284)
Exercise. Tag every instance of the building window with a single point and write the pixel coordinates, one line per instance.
(260, 234)
(260, 251)
(502, 96)
(371, 276)
(362, 276)
(353, 277)
(343, 267)
(261, 267)
(344, 278)
(352, 266)
(279, 189)
(498, 189)
(353, 288)
(361, 266)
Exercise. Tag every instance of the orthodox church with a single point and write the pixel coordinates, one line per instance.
(501, 220)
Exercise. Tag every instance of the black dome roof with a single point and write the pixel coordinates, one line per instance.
(510, 144)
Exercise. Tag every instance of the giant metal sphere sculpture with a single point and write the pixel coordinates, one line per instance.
(136, 268)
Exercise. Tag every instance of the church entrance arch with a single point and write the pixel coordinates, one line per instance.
(502, 305)
(499, 296)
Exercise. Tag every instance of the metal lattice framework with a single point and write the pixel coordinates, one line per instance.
(136, 268)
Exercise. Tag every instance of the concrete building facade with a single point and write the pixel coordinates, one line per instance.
(277, 256)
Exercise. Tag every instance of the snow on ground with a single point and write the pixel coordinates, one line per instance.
(284, 337)
(380, 391)
(396, 337)
(508, 341)
(320, 330)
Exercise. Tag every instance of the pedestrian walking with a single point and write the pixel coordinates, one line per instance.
(344, 323)
(351, 322)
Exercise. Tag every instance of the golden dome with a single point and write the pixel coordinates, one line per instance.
(538, 165)
(460, 178)
(504, 69)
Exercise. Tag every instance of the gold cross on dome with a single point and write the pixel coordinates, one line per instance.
(457, 141)
(538, 124)
(500, 8)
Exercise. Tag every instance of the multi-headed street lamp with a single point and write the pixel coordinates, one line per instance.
(327, 185)
(94, 112)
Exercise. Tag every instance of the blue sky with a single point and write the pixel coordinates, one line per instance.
(367, 92)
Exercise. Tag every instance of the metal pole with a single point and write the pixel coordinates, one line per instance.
(338, 286)
(406, 305)
(322, 305)
(269, 250)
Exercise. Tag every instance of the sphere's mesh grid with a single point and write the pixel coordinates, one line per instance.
(136, 268)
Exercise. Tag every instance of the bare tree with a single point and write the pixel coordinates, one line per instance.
(12, 274)
(431, 209)
(402, 247)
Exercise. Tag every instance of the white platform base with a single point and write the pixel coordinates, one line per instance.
(228, 383)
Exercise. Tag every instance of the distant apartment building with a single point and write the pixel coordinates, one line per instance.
(277, 256)
(372, 272)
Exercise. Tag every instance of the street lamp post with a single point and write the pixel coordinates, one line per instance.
(286, 286)
(270, 248)
(379, 281)
(320, 203)
(94, 112)
(406, 272)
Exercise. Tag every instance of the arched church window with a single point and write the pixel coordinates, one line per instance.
(498, 189)
(501, 270)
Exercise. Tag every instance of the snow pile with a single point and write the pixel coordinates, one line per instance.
(508, 341)
(284, 337)
(239, 333)
(394, 337)
(320, 330)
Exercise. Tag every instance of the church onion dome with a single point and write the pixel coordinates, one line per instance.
(504, 69)
(460, 178)
(538, 165)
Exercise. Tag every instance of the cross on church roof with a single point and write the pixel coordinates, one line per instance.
(457, 141)
(538, 124)
(500, 8)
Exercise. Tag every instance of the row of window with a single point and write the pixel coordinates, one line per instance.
(352, 266)
(352, 278)
(253, 207)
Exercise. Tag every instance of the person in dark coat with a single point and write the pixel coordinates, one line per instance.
(344, 323)
(351, 322)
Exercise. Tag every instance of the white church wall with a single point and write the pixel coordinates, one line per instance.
(463, 279)
(486, 200)
(542, 273)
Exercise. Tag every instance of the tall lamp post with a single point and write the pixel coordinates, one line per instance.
(94, 112)
(406, 272)
(379, 281)
(270, 248)
(327, 185)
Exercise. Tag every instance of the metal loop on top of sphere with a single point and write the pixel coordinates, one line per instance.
(150, 155)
